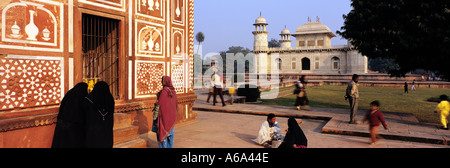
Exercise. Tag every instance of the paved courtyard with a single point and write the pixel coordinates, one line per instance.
(235, 125)
(224, 130)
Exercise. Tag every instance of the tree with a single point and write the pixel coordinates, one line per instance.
(235, 50)
(200, 37)
(382, 65)
(413, 33)
(274, 43)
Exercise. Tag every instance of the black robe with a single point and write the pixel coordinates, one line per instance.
(294, 135)
(99, 108)
(69, 129)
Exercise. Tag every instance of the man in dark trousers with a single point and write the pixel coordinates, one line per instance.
(352, 94)
(217, 80)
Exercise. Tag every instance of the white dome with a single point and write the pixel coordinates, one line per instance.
(260, 20)
(285, 31)
(313, 28)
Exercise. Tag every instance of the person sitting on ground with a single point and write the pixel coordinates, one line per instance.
(267, 130)
(295, 138)
(443, 107)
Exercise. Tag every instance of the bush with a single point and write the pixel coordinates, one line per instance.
(251, 92)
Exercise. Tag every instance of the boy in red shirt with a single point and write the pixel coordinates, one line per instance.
(374, 116)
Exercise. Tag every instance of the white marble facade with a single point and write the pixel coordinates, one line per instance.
(312, 53)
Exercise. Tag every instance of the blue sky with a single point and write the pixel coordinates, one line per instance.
(228, 23)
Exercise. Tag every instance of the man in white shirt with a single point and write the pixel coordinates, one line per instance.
(352, 94)
(217, 81)
(267, 130)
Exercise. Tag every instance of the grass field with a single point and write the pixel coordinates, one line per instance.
(391, 99)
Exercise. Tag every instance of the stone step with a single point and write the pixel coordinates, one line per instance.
(125, 134)
(135, 143)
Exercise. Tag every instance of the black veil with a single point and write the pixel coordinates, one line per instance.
(294, 135)
(99, 108)
(69, 129)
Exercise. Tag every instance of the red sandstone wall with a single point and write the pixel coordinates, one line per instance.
(39, 66)
(34, 137)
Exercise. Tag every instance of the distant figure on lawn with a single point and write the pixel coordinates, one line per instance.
(443, 107)
(300, 90)
(413, 86)
(352, 94)
(406, 87)
(267, 130)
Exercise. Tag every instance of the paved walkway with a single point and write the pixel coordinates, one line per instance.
(402, 126)
(232, 130)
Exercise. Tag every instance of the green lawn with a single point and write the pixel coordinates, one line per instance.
(391, 99)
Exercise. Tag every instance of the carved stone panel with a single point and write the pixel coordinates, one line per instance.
(154, 9)
(178, 43)
(32, 25)
(178, 76)
(178, 11)
(150, 39)
(148, 78)
(30, 82)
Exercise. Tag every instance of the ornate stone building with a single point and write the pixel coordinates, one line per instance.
(48, 46)
(313, 52)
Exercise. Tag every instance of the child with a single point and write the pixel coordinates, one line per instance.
(443, 107)
(374, 116)
(231, 92)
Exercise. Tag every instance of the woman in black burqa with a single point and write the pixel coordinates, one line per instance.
(99, 118)
(295, 138)
(69, 129)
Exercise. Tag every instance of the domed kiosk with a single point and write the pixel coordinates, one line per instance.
(285, 38)
(313, 34)
(312, 53)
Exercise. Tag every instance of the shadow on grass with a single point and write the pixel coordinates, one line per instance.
(290, 101)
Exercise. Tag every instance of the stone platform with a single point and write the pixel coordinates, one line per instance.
(402, 126)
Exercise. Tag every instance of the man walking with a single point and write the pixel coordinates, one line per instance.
(352, 94)
(413, 87)
(217, 80)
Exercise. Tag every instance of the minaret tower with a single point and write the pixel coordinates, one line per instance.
(260, 34)
(285, 38)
